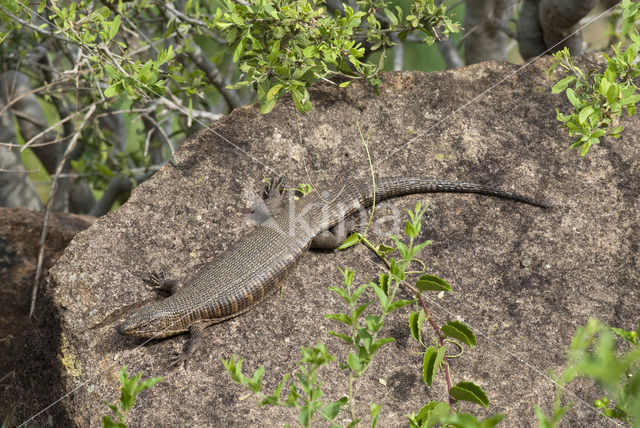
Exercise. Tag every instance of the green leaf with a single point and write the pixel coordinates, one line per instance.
(375, 411)
(604, 85)
(292, 398)
(459, 331)
(391, 16)
(630, 99)
(398, 268)
(310, 51)
(342, 336)
(562, 84)
(165, 55)
(108, 423)
(410, 230)
(430, 414)
(469, 391)
(461, 420)
(626, 335)
(385, 249)
(351, 240)
(266, 106)
(492, 420)
(616, 131)
(342, 292)
(358, 311)
(379, 343)
(465, 420)
(304, 416)
(431, 363)
(399, 304)
(331, 410)
(363, 340)
(255, 384)
(111, 90)
(612, 93)
(382, 296)
(339, 317)
(584, 114)
(416, 319)
(383, 280)
(573, 99)
(356, 294)
(354, 362)
(237, 53)
(543, 421)
(273, 92)
(275, 52)
(114, 27)
(432, 283)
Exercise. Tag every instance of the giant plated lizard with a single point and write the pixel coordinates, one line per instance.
(253, 267)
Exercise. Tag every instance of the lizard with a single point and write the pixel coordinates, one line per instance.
(253, 267)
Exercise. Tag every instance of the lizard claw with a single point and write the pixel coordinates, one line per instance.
(159, 281)
(156, 279)
(273, 187)
(180, 359)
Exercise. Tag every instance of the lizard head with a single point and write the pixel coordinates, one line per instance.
(151, 322)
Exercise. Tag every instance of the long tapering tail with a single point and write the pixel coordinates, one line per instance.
(398, 186)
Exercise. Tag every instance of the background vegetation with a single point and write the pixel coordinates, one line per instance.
(105, 90)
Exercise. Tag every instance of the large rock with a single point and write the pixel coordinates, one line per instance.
(524, 278)
(29, 378)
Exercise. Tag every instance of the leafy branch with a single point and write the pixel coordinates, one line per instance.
(594, 354)
(131, 387)
(599, 99)
(283, 46)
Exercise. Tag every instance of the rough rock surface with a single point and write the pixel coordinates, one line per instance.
(27, 348)
(524, 278)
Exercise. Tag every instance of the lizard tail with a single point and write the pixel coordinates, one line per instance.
(398, 186)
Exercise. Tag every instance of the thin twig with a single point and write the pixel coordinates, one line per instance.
(441, 336)
(20, 171)
(55, 125)
(46, 143)
(27, 93)
(157, 126)
(47, 209)
(175, 103)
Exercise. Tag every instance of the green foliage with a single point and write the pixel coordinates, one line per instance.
(630, 14)
(283, 46)
(594, 354)
(439, 413)
(598, 99)
(154, 67)
(130, 389)
(361, 326)
(305, 391)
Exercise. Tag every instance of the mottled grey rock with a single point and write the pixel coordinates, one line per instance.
(524, 278)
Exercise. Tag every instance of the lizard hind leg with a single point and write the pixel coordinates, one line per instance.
(332, 238)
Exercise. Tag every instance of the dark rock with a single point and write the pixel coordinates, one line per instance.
(29, 361)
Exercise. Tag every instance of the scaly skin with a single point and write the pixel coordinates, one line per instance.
(255, 266)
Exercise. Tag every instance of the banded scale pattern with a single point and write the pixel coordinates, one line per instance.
(255, 266)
